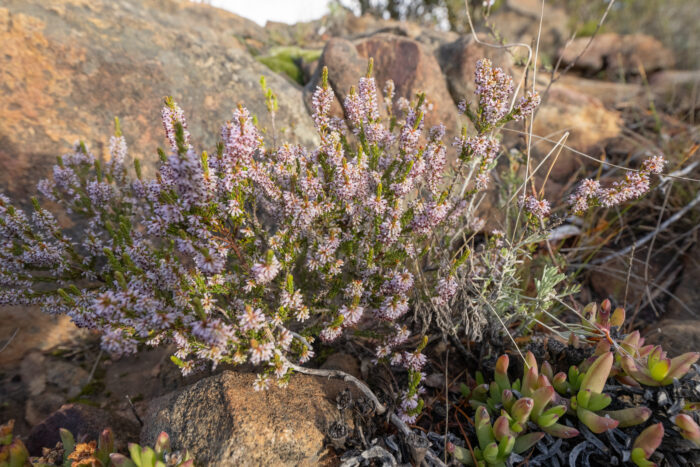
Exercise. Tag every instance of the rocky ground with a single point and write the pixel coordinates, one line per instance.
(68, 67)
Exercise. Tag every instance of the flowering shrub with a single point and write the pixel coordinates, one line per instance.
(248, 253)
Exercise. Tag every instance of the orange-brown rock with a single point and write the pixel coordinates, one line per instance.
(411, 66)
(68, 67)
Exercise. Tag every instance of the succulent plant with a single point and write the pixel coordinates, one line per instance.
(87, 454)
(590, 401)
(635, 363)
(537, 401)
(688, 428)
(649, 365)
(158, 456)
(496, 442)
(13, 453)
(646, 443)
(541, 399)
(102, 453)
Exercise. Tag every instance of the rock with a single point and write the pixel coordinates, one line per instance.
(68, 68)
(147, 374)
(344, 362)
(687, 303)
(81, 420)
(677, 336)
(222, 420)
(345, 67)
(14, 397)
(413, 69)
(67, 377)
(586, 119)
(38, 408)
(613, 94)
(458, 61)
(679, 329)
(39, 372)
(33, 373)
(408, 63)
(32, 329)
(49, 383)
(615, 53)
(351, 27)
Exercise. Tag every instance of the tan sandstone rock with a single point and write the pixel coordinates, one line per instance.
(222, 420)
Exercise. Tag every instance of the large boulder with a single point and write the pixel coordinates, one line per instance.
(613, 94)
(345, 67)
(408, 63)
(615, 53)
(222, 420)
(68, 67)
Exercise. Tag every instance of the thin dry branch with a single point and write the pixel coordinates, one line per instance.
(379, 407)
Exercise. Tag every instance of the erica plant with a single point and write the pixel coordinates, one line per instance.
(249, 252)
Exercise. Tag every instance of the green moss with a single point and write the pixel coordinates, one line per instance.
(286, 60)
(282, 65)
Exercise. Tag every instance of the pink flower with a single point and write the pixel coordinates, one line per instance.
(331, 333)
(538, 208)
(261, 383)
(260, 352)
(265, 272)
(251, 319)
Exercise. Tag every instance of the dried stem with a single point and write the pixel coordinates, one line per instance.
(379, 407)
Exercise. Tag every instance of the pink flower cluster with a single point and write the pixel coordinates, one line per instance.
(493, 87)
(206, 254)
(538, 208)
(632, 186)
(224, 253)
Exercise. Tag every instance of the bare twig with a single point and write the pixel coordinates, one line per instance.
(379, 407)
(9, 341)
(133, 410)
(94, 367)
(672, 175)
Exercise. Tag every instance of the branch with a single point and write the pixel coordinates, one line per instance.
(380, 408)
(345, 377)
